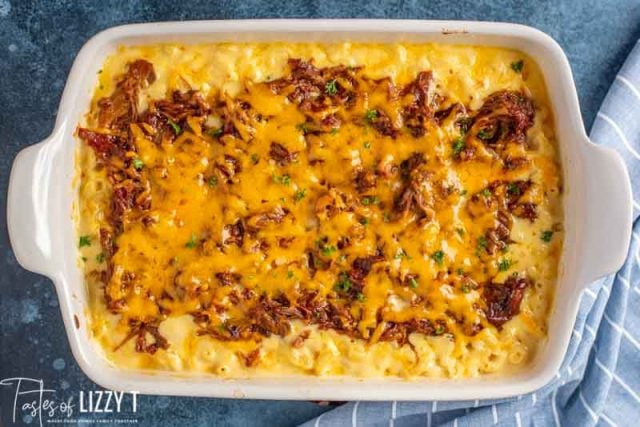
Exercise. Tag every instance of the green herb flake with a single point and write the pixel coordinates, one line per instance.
(303, 127)
(485, 134)
(360, 297)
(215, 133)
(460, 231)
(343, 284)
(517, 66)
(328, 250)
(334, 131)
(482, 243)
(465, 288)
(100, 257)
(413, 283)
(402, 254)
(438, 257)
(213, 181)
(457, 147)
(176, 127)
(289, 274)
(367, 145)
(255, 158)
(370, 200)
(84, 259)
(299, 195)
(463, 192)
(464, 124)
(193, 241)
(486, 193)
(504, 264)
(513, 189)
(371, 115)
(283, 179)
(439, 330)
(546, 236)
(137, 163)
(84, 241)
(386, 217)
(364, 221)
(331, 88)
(459, 271)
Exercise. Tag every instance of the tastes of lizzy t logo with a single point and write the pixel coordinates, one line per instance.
(31, 399)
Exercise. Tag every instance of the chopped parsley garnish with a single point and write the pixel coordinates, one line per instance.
(485, 134)
(213, 181)
(343, 284)
(215, 133)
(367, 145)
(303, 127)
(504, 264)
(299, 195)
(100, 257)
(402, 254)
(513, 189)
(176, 127)
(84, 241)
(457, 147)
(460, 231)
(364, 221)
(331, 88)
(371, 115)
(438, 257)
(439, 330)
(193, 241)
(486, 193)
(370, 200)
(84, 259)
(386, 217)
(465, 288)
(482, 243)
(137, 163)
(464, 124)
(463, 192)
(255, 158)
(283, 179)
(517, 66)
(413, 283)
(460, 271)
(328, 250)
(546, 236)
(360, 297)
(289, 274)
(334, 131)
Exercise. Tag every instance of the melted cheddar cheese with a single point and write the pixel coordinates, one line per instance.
(354, 228)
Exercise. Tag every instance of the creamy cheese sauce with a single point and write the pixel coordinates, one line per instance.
(188, 207)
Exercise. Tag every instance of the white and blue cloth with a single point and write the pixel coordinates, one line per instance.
(599, 382)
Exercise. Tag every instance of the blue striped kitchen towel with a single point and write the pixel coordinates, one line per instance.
(599, 382)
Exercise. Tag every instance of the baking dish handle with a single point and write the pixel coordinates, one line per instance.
(608, 213)
(27, 207)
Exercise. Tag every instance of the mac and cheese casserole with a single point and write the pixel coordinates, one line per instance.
(365, 210)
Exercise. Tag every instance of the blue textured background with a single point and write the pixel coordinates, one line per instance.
(38, 42)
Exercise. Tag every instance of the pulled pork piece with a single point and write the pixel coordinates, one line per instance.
(416, 196)
(182, 105)
(142, 331)
(104, 145)
(234, 233)
(505, 116)
(227, 167)
(419, 112)
(499, 237)
(400, 331)
(351, 283)
(381, 122)
(316, 89)
(503, 300)
(365, 181)
(281, 155)
(263, 219)
(412, 163)
(271, 316)
(121, 107)
(227, 278)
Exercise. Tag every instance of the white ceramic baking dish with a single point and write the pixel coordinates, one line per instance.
(597, 207)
